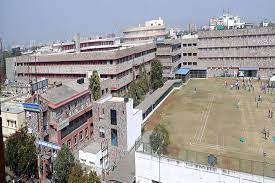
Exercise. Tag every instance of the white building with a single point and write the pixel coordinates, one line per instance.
(13, 117)
(151, 30)
(227, 21)
(92, 156)
(153, 169)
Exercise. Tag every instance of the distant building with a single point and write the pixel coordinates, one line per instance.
(119, 65)
(151, 30)
(13, 118)
(250, 51)
(177, 53)
(98, 44)
(226, 21)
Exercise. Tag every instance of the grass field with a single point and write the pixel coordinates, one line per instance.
(213, 118)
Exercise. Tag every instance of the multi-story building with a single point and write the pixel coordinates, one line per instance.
(251, 51)
(226, 21)
(169, 53)
(152, 29)
(66, 113)
(13, 118)
(177, 53)
(120, 65)
(99, 44)
(117, 125)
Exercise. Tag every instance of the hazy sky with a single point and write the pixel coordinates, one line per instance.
(24, 20)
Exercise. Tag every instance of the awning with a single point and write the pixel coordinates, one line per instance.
(249, 68)
(183, 71)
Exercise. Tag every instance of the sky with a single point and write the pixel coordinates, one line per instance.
(48, 20)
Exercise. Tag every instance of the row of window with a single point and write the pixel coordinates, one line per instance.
(189, 63)
(189, 44)
(78, 138)
(76, 123)
(11, 123)
(101, 43)
(237, 47)
(237, 58)
(88, 62)
(189, 54)
(233, 36)
(49, 75)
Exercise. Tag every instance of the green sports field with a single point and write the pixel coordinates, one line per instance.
(205, 117)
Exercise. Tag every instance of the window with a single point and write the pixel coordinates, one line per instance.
(194, 44)
(102, 110)
(189, 44)
(86, 132)
(184, 63)
(11, 123)
(102, 132)
(80, 135)
(184, 45)
(114, 137)
(113, 117)
(194, 54)
(106, 90)
(75, 139)
(102, 92)
(189, 54)
(69, 143)
(195, 63)
(189, 63)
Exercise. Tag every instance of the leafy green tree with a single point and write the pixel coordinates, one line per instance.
(76, 175)
(143, 82)
(139, 87)
(21, 154)
(63, 164)
(135, 92)
(95, 85)
(156, 75)
(159, 139)
(93, 177)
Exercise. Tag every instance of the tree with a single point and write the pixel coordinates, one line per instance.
(63, 164)
(92, 177)
(76, 174)
(156, 75)
(95, 85)
(143, 82)
(21, 154)
(139, 87)
(159, 139)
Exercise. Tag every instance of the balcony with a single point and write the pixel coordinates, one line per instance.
(63, 120)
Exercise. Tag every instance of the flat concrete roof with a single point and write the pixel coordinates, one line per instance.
(94, 55)
(65, 92)
(11, 108)
(93, 148)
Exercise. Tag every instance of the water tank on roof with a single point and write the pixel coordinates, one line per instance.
(126, 99)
